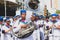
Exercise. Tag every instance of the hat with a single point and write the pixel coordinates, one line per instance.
(7, 19)
(34, 14)
(23, 11)
(1, 18)
(54, 15)
(41, 16)
(14, 16)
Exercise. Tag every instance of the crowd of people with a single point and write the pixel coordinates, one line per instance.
(46, 28)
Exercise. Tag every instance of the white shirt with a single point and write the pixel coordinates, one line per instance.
(5, 28)
(56, 32)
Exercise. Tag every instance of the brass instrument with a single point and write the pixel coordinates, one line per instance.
(24, 32)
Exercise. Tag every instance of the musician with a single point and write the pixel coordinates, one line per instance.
(15, 21)
(1, 24)
(6, 30)
(1, 20)
(33, 17)
(23, 24)
(36, 33)
(15, 26)
(41, 27)
(55, 26)
(46, 27)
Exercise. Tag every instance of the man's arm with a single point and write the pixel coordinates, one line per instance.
(8, 30)
(24, 26)
(58, 27)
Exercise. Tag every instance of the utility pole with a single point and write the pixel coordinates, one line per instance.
(5, 7)
(51, 3)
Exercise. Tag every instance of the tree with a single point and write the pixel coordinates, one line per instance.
(58, 11)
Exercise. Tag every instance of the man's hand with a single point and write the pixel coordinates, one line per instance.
(8, 30)
(51, 26)
(58, 27)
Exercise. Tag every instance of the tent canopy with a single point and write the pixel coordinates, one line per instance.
(10, 8)
(9, 3)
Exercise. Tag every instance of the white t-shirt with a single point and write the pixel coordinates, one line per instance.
(55, 31)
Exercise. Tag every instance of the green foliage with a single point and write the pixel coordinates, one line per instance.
(58, 11)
